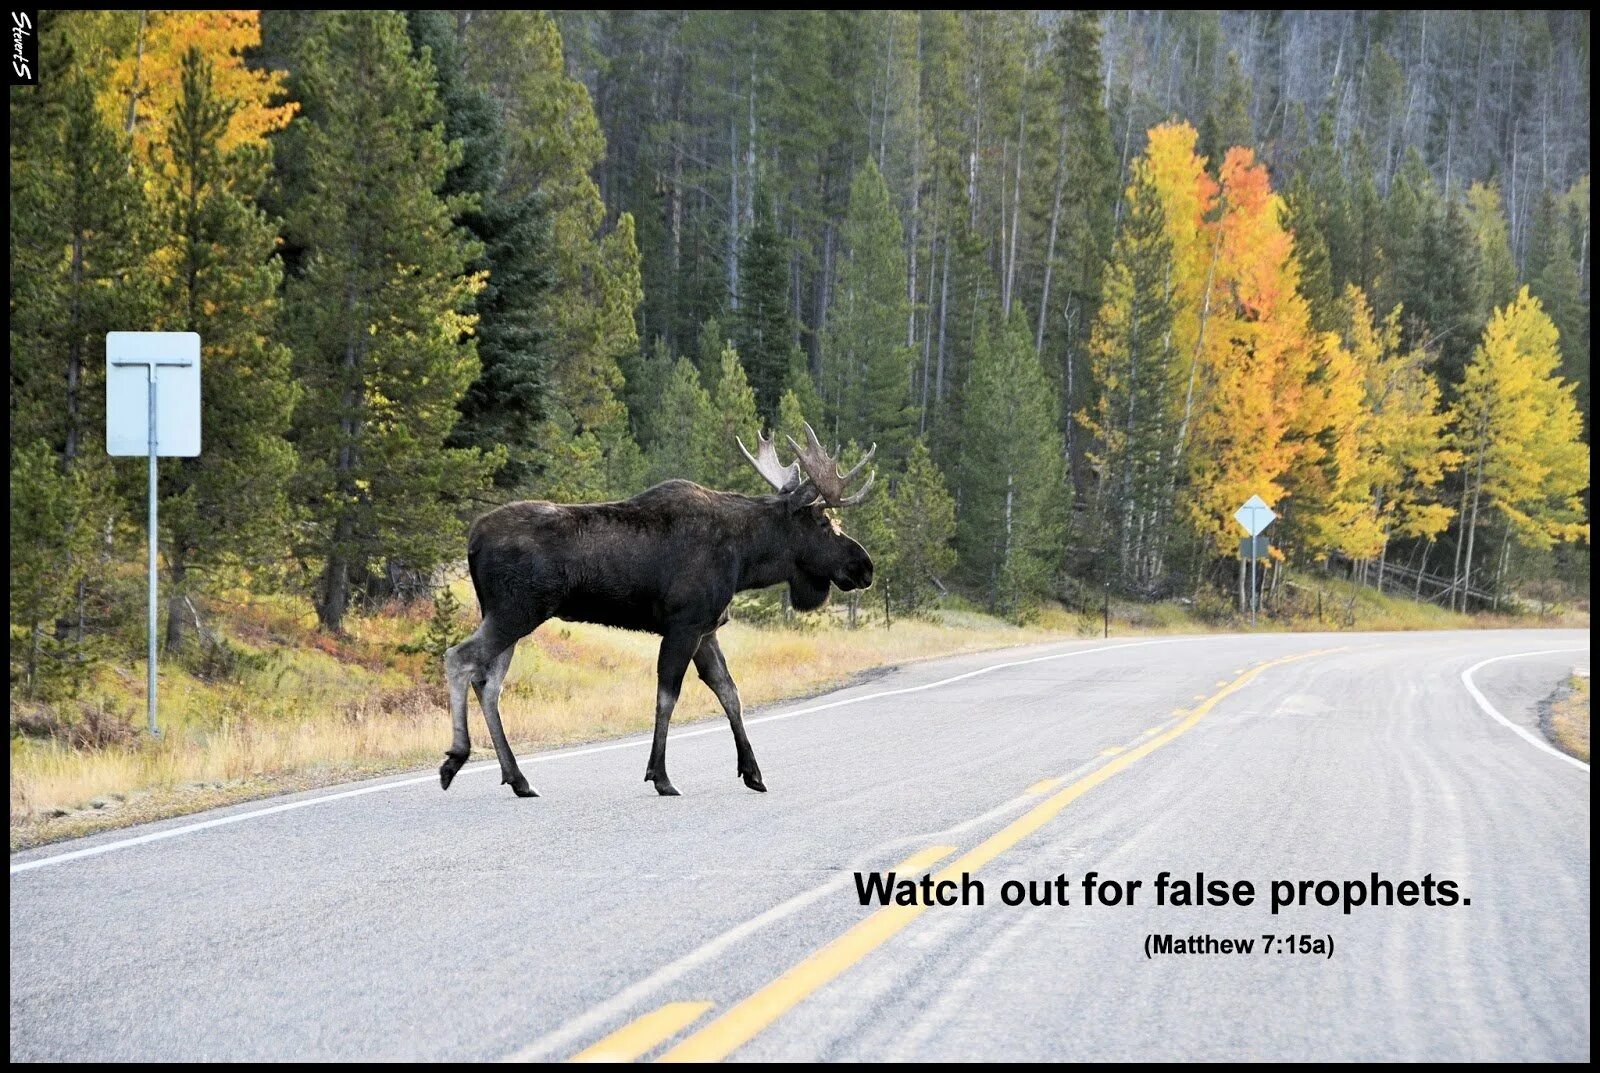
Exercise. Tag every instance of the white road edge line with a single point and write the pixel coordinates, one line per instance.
(1523, 732)
(487, 765)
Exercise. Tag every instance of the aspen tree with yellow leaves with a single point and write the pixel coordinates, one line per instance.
(146, 84)
(1403, 455)
(1517, 427)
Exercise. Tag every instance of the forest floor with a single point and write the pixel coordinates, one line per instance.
(284, 707)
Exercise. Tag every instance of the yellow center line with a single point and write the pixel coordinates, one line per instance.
(1042, 785)
(744, 1021)
(655, 1028)
(1111, 751)
(922, 860)
(648, 1032)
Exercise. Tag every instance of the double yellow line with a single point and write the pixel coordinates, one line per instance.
(748, 1018)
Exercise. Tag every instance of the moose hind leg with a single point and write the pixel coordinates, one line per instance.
(676, 651)
(489, 700)
(713, 671)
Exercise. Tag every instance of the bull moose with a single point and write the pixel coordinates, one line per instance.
(667, 561)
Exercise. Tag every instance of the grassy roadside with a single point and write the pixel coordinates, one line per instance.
(288, 708)
(313, 714)
(1569, 718)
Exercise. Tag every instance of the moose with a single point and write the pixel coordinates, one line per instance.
(668, 561)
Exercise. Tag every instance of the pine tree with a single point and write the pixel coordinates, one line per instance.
(1228, 124)
(1081, 224)
(1319, 199)
(710, 346)
(867, 365)
(1316, 263)
(922, 523)
(684, 437)
(803, 388)
(504, 406)
(1012, 520)
(1431, 268)
(733, 405)
(1559, 288)
(379, 314)
(585, 445)
(1496, 269)
(646, 377)
(51, 554)
(765, 328)
(1138, 383)
(81, 238)
(220, 277)
(792, 418)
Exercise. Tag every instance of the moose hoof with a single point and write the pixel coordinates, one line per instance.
(666, 789)
(447, 771)
(520, 787)
(753, 780)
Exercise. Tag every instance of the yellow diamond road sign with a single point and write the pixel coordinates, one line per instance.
(1254, 516)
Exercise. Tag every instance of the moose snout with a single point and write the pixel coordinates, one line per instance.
(858, 575)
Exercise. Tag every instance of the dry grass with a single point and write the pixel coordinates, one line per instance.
(1569, 718)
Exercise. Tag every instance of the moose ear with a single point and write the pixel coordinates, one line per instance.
(801, 498)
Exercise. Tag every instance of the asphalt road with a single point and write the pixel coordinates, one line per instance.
(390, 921)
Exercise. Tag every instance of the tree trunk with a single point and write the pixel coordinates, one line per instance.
(335, 593)
(1500, 571)
(1472, 536)
(133, 89)
(177, 596)
(944, 307)
(1050, 250)
(1016, 211)
(733, 214)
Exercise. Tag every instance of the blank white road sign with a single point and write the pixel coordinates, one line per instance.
(174, 358)
(1254, 516)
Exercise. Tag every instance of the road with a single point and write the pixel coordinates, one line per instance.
(390, 921)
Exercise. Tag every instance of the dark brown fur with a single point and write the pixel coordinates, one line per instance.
(667, 561)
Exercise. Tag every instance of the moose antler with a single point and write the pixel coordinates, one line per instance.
(784, 479)
(822, 471)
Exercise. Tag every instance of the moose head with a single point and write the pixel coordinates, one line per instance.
(806, 489)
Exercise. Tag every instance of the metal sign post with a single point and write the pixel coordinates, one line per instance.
(172, 429)
(1253, 517)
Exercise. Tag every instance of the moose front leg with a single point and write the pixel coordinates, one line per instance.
(713, 670)
(676, 651)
